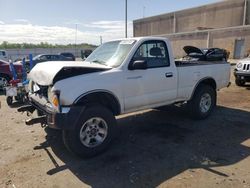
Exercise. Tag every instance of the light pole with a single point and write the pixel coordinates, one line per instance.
(143, 11)
(100, 40)
(126, 19)
(75, 40)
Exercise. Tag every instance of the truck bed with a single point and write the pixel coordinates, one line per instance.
(185, 63)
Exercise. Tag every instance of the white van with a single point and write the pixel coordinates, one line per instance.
(3, 55)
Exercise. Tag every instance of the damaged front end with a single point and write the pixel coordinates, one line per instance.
(45, 99)
(50, 112)
(38, 99)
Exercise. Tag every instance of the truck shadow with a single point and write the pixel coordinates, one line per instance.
(155, 146)
(247, 86)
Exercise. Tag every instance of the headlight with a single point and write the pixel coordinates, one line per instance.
(53, 97)
(239, 65)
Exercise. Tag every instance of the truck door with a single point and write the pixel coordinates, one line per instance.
(157, 84)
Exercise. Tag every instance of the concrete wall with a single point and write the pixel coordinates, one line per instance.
(218, 15)
(224, 38)
(215, 25)
(163, 24)
(179, 41)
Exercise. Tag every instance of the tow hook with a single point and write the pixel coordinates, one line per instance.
(27, 108)
(41, 120)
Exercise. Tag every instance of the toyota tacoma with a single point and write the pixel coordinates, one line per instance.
(120, 76)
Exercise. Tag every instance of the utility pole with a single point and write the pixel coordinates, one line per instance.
(75, 40)
(143, 11)
(245, 13)
(100, 40)
(126, 19)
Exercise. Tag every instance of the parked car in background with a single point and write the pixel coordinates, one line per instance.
(87, 53)
(46, 57)
(6, 74)
(68, 55)
(242, 72)
(3, 55)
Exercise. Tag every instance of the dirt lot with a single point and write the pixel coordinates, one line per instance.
(154, 149)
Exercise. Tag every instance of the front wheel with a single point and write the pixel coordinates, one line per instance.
(9, 100)
(239, 82)
(203, 102)
(92, 133)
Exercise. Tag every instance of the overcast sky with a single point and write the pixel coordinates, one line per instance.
(54, 21)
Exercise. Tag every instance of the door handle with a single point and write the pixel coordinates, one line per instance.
(169, 74)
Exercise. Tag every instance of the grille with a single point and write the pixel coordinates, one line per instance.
(41, 90)
(246, 67)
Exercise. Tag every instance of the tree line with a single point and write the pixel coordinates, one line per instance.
(7, 45)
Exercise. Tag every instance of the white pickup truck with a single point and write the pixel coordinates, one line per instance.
(120, 76)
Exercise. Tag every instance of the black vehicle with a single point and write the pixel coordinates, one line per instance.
(68, 55)
(205, 54)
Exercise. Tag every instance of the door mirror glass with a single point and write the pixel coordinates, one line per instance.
(138, 65)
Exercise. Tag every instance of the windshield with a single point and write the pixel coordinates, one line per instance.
(111, 54)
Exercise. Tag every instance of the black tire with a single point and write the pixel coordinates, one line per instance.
(72, 139)
(17, 98)
(196, 105)
(9, 100)
(4, 77)
(239, 82)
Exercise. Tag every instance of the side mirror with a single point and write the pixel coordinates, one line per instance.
(138, 65)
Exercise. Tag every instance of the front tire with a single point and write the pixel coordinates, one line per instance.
(92, 133)
(203, 102)
(239, 82)
(9, 100)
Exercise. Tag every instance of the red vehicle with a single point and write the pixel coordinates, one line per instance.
(6, 74)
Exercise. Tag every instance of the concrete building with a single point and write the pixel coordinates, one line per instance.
(224, 24)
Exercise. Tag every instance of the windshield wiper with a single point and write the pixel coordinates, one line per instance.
(99, 62)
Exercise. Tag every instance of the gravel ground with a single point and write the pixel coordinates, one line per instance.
(153, 149)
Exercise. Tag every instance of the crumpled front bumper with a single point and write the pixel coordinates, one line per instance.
(66, 119)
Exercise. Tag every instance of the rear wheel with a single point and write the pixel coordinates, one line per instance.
(203, 102)
(239, 82)
(92, 133)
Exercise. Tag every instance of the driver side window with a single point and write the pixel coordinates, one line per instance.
(155, 53)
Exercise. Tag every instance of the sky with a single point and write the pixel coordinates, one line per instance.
(63, 21)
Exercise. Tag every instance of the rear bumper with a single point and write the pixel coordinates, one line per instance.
(66, 119)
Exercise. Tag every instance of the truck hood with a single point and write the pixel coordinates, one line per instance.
(192, 49)
(48, 73)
